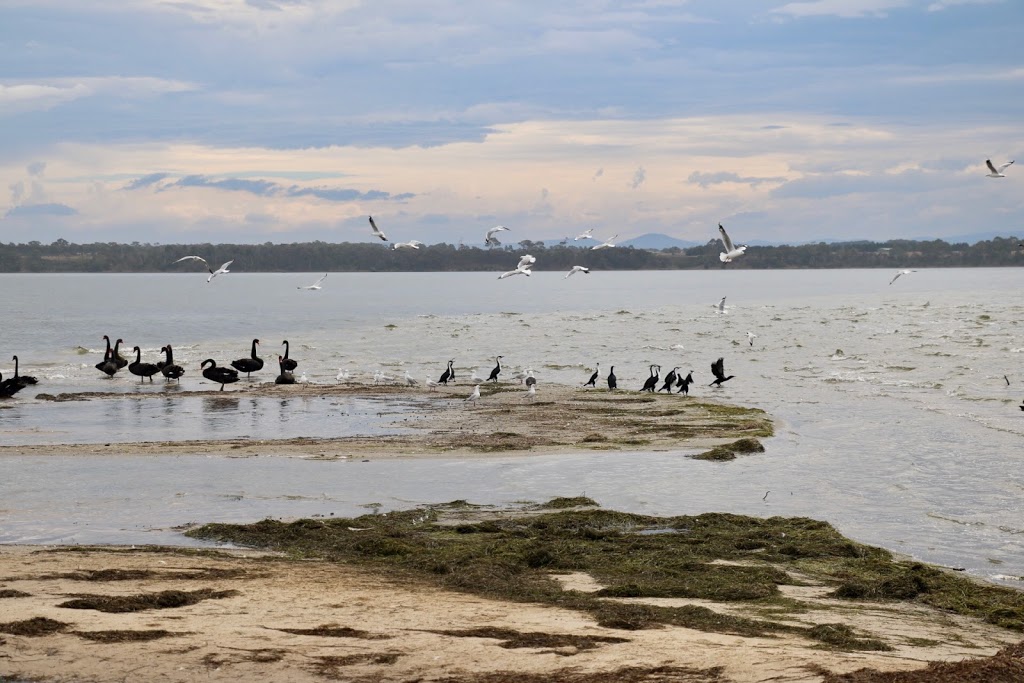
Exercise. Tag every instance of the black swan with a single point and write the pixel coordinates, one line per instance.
(248, 365)
(285, 377)
(9, 387)
(220, 375)
(169, 369)
(140, 369)
(118, 358)
(718, 370)
(24, 379)
(288, 363)
(107, 365)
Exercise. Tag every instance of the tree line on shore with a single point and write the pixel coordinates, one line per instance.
(62, 256)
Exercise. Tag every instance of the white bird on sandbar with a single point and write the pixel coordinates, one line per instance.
(475, 395)
(900, 272)
(607, 244)
(531, 393)
(213, 273)
(376, 230)
(577, 269)
(730, 252)
(315, 286)
(411, 244)
(996, 172)
(522, 269)
(585, 235)
(410, 380)
(490, 240)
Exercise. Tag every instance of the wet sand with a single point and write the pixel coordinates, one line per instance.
(245, 615)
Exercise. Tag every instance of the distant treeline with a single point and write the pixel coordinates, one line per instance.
(64, 257)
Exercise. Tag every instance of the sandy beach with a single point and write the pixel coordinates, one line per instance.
(151, 613)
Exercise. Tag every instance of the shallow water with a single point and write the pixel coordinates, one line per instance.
(909, 438)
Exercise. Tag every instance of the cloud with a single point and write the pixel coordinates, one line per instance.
(941, 5)
(708, 179)
(846, 9)
(639, 176)
(265, 188)
(30, 210)
(45, 94)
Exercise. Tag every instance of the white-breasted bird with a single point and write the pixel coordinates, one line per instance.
(213, 273)
(731, 252)
(522, 269)
(995, 172)
(720, 306)
(490, 240)
(751, 337)
(315, 285)
(376, 230)
(899, 273)
(411, 244)
(607, 244)
(585, 235)
(577, 269)
(475, 396)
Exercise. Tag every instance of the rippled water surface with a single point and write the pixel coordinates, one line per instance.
(896, 405)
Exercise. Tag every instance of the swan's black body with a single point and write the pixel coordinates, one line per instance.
(286, 362)
(108, 365)
(118, 358)
(140, 369)
(24, 379)
(248, 365)
(286, 377)
(168, 369)
(220, 375)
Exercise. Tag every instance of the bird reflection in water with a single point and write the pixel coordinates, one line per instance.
(220, 404)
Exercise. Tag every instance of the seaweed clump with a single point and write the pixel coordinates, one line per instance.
(729, 451)
(144, 601)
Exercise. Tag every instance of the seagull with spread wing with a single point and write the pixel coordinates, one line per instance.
(213, 273)
(585, 235)
(996, 172)
(607, 244)
(730, 252)
(315, 286)
(376, 231)
(900, 272)
(577, 269)
(490, 240)
(522, 269)
(411, 244)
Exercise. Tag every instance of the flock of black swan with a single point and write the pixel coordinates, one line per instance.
(113, 361)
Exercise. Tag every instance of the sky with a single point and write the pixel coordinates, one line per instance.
(253, 121)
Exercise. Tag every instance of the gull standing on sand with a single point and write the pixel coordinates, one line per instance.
(315, 286)
(607, 244)
(376, 230)
(730, 252)
(213, 273)
(996, 172)
(900, 272)
(585, 235)
(577, 269)
(531, 393)
(475, 395)
(490, 240)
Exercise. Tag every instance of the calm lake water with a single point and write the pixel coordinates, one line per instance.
(894, 419)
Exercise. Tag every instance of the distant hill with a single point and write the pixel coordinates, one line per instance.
(656, 240)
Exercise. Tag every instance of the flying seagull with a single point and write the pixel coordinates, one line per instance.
(585, 235)
(751, 337)
(996, 172)
(522, 269)
(607, 244)
(315, 285)
(730, 252)
(213, 273)
(720, 306)
(411, 244)
(376, 231)
(577, 269)
(900, 272)
(490, 240)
